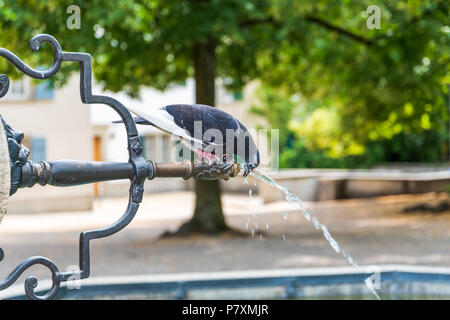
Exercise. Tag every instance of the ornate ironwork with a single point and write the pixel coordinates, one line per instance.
(18, 154)
(25, 173)
(140, 166)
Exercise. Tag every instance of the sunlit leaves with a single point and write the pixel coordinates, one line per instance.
(361, 76)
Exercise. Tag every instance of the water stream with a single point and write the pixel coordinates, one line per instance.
(293, 199)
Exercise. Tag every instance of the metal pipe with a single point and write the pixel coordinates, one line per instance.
(64, 173)
(188, 169)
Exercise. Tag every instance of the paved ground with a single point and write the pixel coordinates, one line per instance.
(371, 231)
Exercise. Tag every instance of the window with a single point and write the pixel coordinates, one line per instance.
(238, 95)
(166, 148)
(44, 90)
(38, 149)
(157, 147)
(149, 147)
(19, 90)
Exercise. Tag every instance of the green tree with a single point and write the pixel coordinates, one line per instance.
(360, 86)
(319, 49)
(278, 109)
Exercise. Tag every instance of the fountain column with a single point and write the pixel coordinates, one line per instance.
(5, 180)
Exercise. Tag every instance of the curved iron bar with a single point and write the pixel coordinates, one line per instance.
(35, 45)
(141, 168)
(31, 282)
(4, 84)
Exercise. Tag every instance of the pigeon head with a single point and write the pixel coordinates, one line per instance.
(245, 148)
(249, 166)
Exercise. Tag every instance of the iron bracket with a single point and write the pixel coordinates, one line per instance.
(141, 167)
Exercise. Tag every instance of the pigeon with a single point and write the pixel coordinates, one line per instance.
(210, 132)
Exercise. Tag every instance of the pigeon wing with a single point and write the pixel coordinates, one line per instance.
(197, 119)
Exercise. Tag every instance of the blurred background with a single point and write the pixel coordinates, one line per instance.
(358, 91)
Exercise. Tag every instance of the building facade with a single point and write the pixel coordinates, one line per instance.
(56, 125)
(158, 145)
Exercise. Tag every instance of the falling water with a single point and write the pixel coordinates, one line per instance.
(293, 199)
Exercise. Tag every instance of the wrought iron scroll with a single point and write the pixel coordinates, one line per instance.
(141, 169)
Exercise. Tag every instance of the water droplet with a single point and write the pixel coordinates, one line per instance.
(284, 238)
(253, 232)
(250, 194)
(267, 226)
(254, 183)
(246, 226)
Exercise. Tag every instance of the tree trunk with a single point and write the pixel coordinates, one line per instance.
(208, 215)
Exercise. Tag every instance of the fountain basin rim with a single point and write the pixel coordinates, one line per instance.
(398, 273)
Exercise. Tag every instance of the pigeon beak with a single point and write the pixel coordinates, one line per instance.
(248, 168)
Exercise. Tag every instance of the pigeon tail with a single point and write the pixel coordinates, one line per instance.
(138, 120)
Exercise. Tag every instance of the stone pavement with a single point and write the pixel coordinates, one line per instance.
(372, 231)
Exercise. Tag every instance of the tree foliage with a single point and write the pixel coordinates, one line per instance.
(365, 95)
(380, 82)
(357, 87)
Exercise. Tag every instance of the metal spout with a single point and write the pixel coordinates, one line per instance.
(66, 173)
(188, 169)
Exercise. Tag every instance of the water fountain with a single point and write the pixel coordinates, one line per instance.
(18, 172)
(293, 199)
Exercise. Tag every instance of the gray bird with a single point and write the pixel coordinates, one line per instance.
(206, 130)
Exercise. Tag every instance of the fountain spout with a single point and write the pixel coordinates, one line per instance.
(64, 173)
(188, 169)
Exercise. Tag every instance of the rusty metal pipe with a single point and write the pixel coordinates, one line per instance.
(188, 169)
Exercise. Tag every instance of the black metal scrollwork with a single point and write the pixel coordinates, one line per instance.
(31, 282)
(4, 84)
(18, 154)
(141, 168)
(35, 45)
